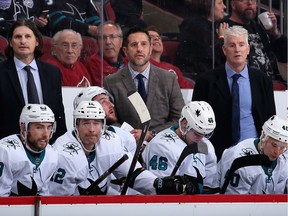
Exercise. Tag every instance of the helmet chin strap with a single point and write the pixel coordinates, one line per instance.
(79, 140)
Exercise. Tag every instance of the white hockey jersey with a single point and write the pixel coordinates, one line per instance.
(163, 151)
(19, 168)
(75, 168)
(253, 179)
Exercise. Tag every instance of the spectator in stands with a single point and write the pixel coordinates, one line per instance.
(27, 160)
(255, 98)
(272, 179)
(195, 54)
(155, 59)
(66, 50)
(110, 38)
(266, 46)
(159, 88)
(24, 49)
(129, 13)
(35, 10)
(81, 16)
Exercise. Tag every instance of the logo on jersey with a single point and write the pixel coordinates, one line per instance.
(11, 143)
(108, 135)
(71, 148)
(169, 137)
(247, 152)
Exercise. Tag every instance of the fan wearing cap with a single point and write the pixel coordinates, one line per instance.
(273, 143)
(196, 124)
(27, 162)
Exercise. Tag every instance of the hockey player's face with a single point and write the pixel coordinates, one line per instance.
(108, 107)
(193, 137)
(274, 148)
(89, 131)
(38, 135)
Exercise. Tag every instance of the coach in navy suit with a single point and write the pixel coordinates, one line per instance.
(255, 89)
(25, 43)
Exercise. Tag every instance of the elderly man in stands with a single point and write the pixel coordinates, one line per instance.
(155, 58)
(109, 38)
(66, 50)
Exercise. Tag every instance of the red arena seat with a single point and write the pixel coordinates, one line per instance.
(90, 47)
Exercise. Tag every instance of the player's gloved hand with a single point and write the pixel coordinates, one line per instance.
(191, 185)
(169, 185)
(176, 185)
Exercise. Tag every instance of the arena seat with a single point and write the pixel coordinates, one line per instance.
(90, 47)
(278, 86)
(3, 44)
(170, 48)
(47, 47)
(109, 12)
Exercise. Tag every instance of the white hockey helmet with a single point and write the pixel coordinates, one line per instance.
(89, 93)
(200, 118)
(276, 128)
(89, 110)
(36, 113)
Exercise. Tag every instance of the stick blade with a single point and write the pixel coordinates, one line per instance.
(139, 106)
(202, 148)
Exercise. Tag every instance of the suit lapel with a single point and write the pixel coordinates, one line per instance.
(152, 85)
(127, 80)
(12, 74)
(222, 84)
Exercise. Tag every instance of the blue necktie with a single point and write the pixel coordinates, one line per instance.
(235, 110)
(31, 87)
(141, 87)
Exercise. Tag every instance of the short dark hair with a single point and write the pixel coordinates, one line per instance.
(31, 25)
(134, 30)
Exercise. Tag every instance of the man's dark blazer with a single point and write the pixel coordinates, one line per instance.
(164, 98)
(12, 99)
(213, 88)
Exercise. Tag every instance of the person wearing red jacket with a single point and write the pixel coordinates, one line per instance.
(66, 50)
(113, 60)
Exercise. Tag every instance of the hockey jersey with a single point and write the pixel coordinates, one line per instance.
(162, 153)
(253, 179)
(76, 170)
(23, 173)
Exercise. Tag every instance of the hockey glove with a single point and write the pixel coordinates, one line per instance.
(169, 185)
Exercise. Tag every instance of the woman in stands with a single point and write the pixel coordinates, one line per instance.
(195, 54)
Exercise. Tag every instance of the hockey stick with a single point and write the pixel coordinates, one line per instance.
(250, 160)
(145, 119)
(95, 184)
(199, 147)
